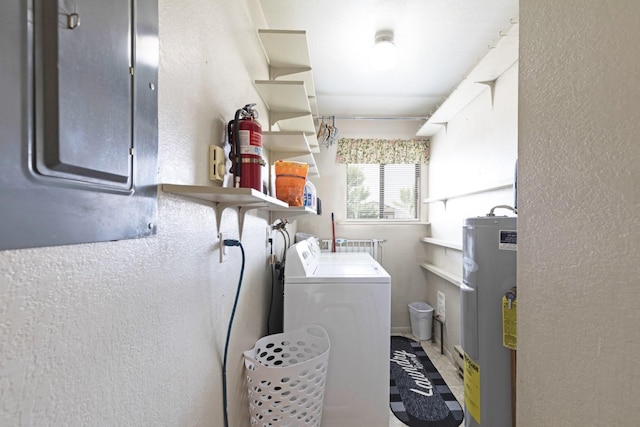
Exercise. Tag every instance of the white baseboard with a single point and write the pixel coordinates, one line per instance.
(401, 330)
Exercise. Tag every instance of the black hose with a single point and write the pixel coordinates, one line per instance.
(273, 285)
(230, 242)
(273, 291)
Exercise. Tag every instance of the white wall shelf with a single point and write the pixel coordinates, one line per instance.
(497, 60)
(451, 278)
(288, 104)
(236, 196)
(291, 212)
(441, 243)
(288, 55)
(293, 142)
(290, 145)
(307, 158)
(243, 199)
(284, 96)
(497, 186)
(313, 103)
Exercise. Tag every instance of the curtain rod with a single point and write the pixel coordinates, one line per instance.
(398, 118)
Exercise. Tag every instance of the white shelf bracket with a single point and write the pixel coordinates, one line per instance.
(276, 116)
(219, 208)
(492, 87)
(445, 124)
(242, 210)
(276, 72)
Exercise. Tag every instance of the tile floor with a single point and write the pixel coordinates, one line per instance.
(447, 370)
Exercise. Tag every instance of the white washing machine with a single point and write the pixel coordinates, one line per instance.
(351, 300)
(337, 257)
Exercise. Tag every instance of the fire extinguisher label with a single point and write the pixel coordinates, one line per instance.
(250, 142)
(508, 240)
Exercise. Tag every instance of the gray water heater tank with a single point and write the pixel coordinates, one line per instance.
(489, 270)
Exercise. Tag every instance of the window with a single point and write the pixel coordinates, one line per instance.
(383, 192)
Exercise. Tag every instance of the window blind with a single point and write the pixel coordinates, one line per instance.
(383, 192)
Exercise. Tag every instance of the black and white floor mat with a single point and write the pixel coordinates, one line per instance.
(419, 396)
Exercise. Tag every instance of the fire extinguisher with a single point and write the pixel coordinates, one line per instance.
(245, 138)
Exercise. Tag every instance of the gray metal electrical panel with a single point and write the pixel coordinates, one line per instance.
(78, 121)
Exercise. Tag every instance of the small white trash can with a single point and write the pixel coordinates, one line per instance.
(421, 315)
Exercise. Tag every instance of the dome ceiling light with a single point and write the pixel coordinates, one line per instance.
(383, 52)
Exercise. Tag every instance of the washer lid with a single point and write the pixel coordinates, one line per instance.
(346, 270)
(341, 274)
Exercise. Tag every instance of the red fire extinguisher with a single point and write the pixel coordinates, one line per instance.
(245, 138)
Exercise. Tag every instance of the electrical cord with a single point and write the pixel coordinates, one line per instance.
(230, 242)
(273, 284)
(287, 242)
(286, 245)
(288, 237)
(273, 290)
(281, 228)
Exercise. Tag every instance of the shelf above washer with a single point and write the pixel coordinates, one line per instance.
(292, 212)
(244, 199)
(233, 196)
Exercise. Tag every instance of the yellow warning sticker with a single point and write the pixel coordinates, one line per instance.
(472, 387)
(509, 323)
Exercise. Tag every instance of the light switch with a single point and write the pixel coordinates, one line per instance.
(217, 168)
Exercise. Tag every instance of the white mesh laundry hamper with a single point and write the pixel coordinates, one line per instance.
(286, 375)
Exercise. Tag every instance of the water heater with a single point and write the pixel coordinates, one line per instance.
(489, 271)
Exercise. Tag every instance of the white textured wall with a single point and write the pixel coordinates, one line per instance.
(579, 227)
(132, 332)
(477, 150)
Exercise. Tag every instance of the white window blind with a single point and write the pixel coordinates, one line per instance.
(383, 192)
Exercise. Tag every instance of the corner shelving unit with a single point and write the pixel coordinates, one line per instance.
(291, 101)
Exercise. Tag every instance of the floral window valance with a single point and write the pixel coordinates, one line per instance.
(382, 151)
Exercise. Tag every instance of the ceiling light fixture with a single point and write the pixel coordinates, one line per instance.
(383, 52)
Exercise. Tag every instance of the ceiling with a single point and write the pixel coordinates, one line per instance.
(438, 43)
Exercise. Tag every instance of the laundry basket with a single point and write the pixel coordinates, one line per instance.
(286, 375)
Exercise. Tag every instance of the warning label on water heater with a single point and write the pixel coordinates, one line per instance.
(472, 387)
(508, 240)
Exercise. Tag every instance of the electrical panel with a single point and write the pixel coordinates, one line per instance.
(78, 121)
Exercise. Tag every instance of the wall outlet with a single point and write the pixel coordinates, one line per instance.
(440, 309)
(223, 248)
(217, 167)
